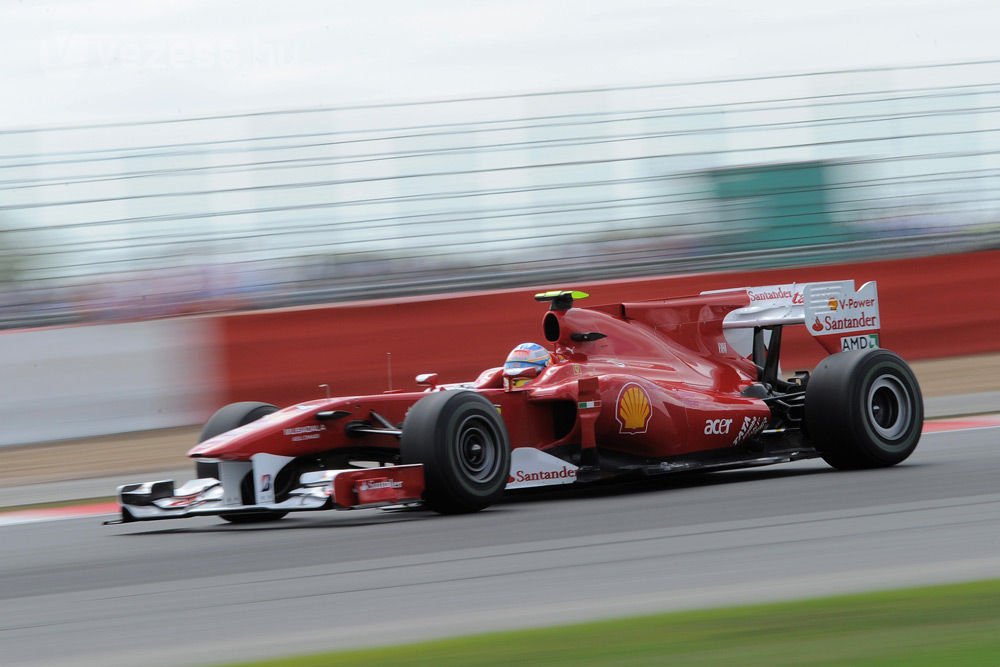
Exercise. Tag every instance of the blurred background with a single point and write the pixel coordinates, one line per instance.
(175, 175)
(405, 174)
(169, 161)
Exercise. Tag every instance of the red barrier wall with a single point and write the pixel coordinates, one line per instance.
(931, 307)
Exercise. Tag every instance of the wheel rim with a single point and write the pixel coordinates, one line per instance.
(478, 449)
(889, 407)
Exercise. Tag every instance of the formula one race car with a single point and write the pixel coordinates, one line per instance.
(644, 388)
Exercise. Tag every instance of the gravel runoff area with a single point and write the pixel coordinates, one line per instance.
(164, 449)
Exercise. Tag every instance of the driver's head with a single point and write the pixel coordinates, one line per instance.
(526, 361)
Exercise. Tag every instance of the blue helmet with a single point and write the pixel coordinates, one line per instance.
(527, 355)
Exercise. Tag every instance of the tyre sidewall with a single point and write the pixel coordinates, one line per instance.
(472, 415)
(884, 450)
(433, 435)
(838, 417)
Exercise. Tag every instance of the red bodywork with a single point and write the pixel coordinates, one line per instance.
(650, 379)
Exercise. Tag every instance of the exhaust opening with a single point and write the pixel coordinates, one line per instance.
(551, 327)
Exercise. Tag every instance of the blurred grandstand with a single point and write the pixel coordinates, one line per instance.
(252, 210)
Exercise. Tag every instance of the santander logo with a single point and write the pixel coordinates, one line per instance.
(776, 295)
(566, 472)
(530, 467)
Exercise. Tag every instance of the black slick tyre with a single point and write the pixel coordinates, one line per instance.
(463, 445)
(864, 409)
(233, 416)
(226, 419)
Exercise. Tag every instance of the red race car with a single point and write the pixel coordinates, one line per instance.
(645, 388)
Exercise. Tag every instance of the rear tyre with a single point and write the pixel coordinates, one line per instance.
(864, 409)
(463, 445)
(226, 419)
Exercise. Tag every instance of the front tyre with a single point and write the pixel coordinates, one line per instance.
(463, 445)
(864, 409)
(233, 416)
(226, 419)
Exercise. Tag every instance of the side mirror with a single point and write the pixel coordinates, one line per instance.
(427, 379)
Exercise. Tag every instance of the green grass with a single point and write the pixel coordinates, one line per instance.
(953, 625)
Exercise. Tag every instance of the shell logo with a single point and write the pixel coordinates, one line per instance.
(633, 410)
(832, 304)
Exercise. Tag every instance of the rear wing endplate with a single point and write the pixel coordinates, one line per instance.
(839, 316)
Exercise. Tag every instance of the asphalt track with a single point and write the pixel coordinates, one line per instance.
(201, 592)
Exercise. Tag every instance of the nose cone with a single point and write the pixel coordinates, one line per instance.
(234, 444)
(224, 445)
(209, 449)
(292, 431)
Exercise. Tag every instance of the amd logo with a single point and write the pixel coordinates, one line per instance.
(868, 342)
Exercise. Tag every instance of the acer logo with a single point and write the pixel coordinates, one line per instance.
(718, 426)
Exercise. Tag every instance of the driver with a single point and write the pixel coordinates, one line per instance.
(526, 361)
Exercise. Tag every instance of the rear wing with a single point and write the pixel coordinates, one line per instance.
(838, 316)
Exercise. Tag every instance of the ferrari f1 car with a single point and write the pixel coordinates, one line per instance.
(645, 388)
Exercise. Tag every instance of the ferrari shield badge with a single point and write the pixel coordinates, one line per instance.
(633, 410)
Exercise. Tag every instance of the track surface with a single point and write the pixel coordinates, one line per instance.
(200, 592)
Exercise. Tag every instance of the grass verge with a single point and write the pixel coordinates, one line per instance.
(940, 625)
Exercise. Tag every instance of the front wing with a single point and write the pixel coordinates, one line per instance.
(353, 488)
